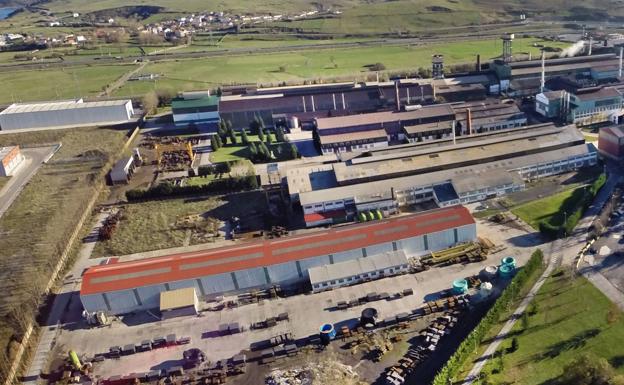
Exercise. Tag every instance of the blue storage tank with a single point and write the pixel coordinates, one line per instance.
(505, 271)
(460, 286)
(511, 261)
(327, 333)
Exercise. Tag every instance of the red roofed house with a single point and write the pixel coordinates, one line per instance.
(125, 287)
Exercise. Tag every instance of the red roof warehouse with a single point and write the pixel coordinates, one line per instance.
(277, 257)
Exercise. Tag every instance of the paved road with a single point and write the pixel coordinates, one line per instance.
(71, 285)
(34, 157)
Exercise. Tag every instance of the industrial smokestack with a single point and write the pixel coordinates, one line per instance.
(304, 105)
(312, 99)
(543, 80)
(469, 121)
(591, 42)
(478, 62)
(396, 95)
(620, 66)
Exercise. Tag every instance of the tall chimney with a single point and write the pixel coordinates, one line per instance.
(620, 66)
(591, 42)
(478, 62)
(543, 80)
(469, 121)
(304, 105)
(312, 99)
(396, 95)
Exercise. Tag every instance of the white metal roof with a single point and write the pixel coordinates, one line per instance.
(18, 108)
(4, 151)
(357, 266)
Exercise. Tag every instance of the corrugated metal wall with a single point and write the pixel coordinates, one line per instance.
(148, 297)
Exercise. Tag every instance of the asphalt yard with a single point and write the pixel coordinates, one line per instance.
(306, 313)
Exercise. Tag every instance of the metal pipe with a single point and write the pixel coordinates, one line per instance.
(304, 106)
(312, 99)
(334, 99)
(620, 66)
(344, 106)
(396, 91)
(408, 96)
(591, 42)
(543, 80)
(469, 121)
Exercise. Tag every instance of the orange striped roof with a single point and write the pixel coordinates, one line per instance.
(192, 265)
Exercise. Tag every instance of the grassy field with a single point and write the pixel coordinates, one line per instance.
(545, 209)
(157, 224)
(38, 224)
(314, 64)
(572, 318)
(53, 84)
(231, 153)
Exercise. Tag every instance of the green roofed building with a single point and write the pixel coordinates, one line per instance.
(201, 109)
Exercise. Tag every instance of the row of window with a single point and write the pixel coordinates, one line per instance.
(355, 278)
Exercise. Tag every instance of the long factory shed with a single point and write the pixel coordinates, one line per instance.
(124, 287)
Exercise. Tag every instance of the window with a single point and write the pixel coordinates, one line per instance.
(341, 281)
(333, 282)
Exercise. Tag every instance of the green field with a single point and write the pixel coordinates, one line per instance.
(37, 226)
(572, 318)
(314, 64)
(53, 84)
(545, 209)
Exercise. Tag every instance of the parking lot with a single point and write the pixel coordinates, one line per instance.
(306, 313)
(608, 251)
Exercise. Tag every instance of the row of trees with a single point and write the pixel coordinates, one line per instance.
(167, 189)
(572, 210)
(509, 295)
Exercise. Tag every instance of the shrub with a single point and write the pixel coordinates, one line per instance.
(167, 190)
(511, 292)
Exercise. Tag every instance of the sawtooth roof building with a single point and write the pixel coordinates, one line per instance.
(124, 287)
(476, 167)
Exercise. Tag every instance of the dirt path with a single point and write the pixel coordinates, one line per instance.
(121, 81)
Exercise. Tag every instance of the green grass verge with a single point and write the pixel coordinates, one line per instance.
(544, 209)
(573, 318)
(232, 153)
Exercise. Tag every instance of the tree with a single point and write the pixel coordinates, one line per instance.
(253, 151)
(222, 131)
(269, 138)
(215, 142)
(164, 97)
(228, 124)
(294, 153)
(589, 370)
(244, 137)
(525, 320)
(514, 345)
(279, 135)
(378, 67)
(218, 140)
(254, 125)
(232, 136)
(219, 91)
(261, 134)
(223, 168)
(261, 121)
(150, 102)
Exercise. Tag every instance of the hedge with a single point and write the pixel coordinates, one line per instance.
(167, 189)
(511, 293)
(578, 203)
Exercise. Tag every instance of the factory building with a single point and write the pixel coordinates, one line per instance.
(611, 142)
(481, 117)
(74, 113)
(278, 104)
(584, 106)
(477, 167)
(10, 160)
(524, 77)
(200, 109)
(122, 170)
(365, 131)
(123, 287)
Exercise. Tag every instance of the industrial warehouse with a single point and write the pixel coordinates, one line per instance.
(125, 287)
(475, 168)
(65, 114)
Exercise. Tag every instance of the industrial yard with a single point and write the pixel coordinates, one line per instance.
(365, 193)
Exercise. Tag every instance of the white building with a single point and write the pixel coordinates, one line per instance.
(122, 170)
(10, 159)
(64, 114)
